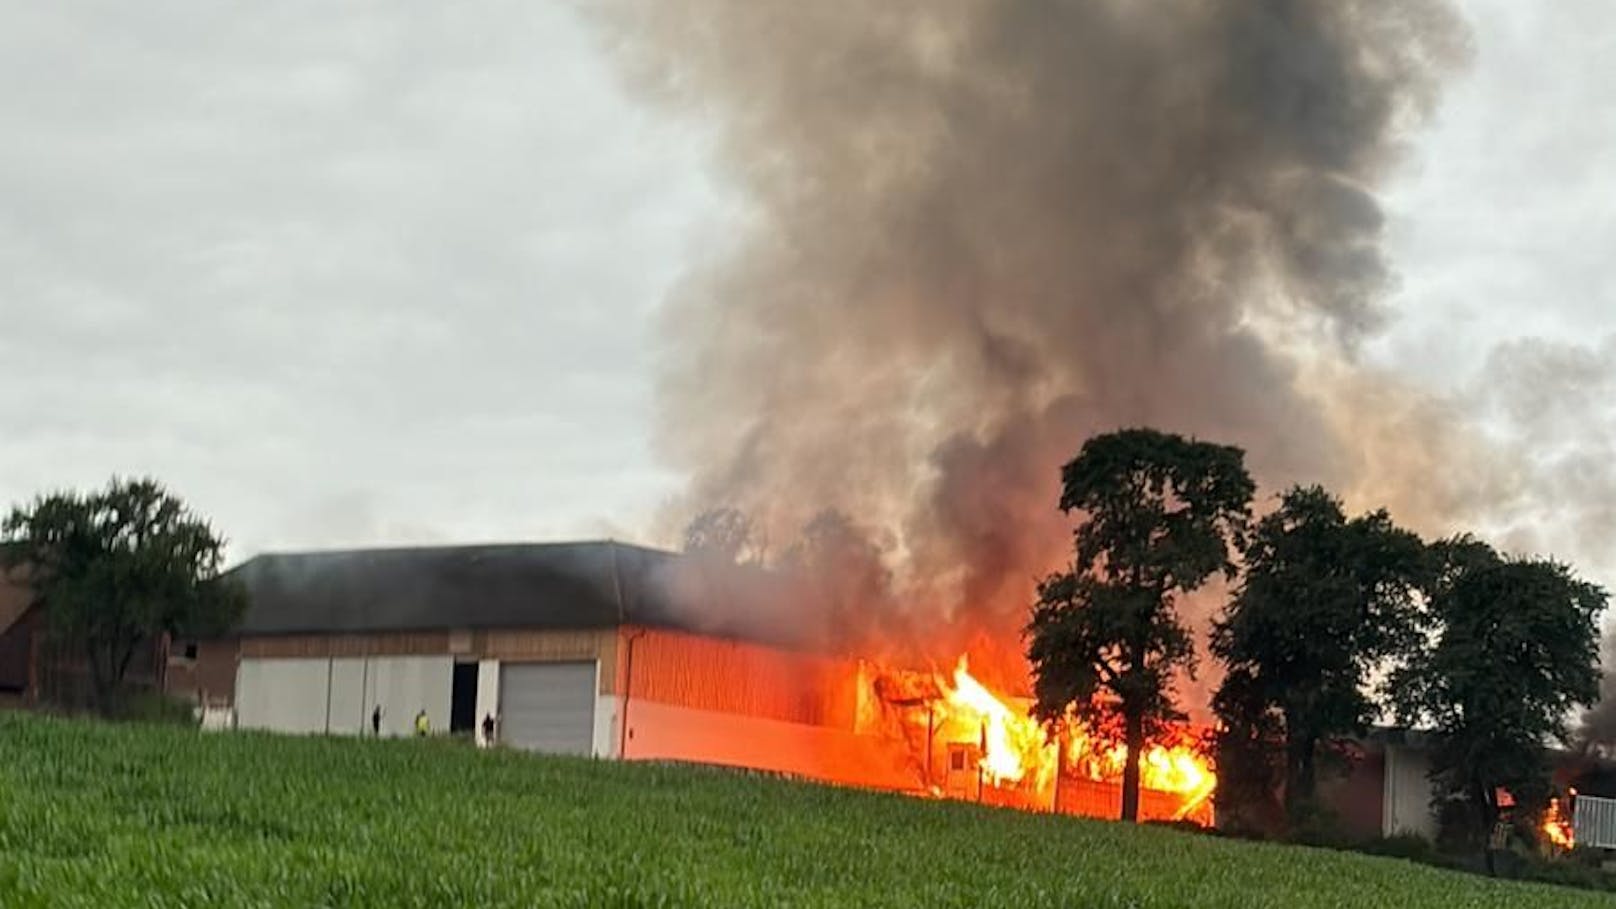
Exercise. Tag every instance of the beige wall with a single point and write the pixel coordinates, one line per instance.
(292, 646)
(552, 647)
(513, 645)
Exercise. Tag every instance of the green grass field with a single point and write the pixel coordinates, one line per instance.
(103, 815)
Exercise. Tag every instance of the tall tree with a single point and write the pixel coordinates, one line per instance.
(116, 568)
(1324, 604)
(1515, 650)
(1159, 514)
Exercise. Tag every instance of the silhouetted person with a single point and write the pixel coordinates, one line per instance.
(376, 721)
(488, 730)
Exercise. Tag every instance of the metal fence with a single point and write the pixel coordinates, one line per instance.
(1593, 822)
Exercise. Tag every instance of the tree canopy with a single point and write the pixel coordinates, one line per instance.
(1158, 515)
(723, 535)
(1325, 601)
(1515, 651)
(115, 568)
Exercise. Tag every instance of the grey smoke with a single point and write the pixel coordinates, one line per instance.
(1551, 407)
(982, 230)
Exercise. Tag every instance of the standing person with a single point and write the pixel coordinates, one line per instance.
(422, 726)
(488, 730)
(376, 721)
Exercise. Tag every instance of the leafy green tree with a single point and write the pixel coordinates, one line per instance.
(116, 568)
(1159, 514)
(1515, 651)
(1324, 604)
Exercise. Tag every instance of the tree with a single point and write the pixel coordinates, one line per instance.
(837, 574)
(1515, 650)
(724, 536)
(1159, 514)
(114, 569)
(1325, 602)
(1249, 745)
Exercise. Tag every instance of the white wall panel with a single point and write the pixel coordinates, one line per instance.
(284, 695)
(349, 715)
(487, 693)
(608, 732)
(337, 695)
(1407, 803)
(405, 685)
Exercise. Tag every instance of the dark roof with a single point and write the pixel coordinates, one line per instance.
(550, 585)
(531, 585)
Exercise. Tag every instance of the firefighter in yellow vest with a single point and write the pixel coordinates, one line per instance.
(422, 727)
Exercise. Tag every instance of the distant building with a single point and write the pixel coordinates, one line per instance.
(35, 672)
(1386, 789)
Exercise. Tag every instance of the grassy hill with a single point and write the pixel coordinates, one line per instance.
(102, 815)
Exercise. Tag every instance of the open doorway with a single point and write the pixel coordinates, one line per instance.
(463, 698)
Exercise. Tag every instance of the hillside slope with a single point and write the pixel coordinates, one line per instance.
(99, 815)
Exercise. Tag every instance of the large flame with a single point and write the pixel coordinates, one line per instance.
(1014, 752)
(1010, 741)
(1557, 828)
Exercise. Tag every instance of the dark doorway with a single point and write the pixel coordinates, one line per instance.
(463, 698)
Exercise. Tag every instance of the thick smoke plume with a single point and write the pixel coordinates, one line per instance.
(982, 230)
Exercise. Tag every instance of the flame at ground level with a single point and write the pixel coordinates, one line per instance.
(1557, 827)
(856, 723)
(994, 750)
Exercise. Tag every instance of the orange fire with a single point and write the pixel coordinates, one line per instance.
(1556, 827)
(1015, 756)
(1011, 741)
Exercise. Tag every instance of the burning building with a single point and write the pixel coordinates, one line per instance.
(972, 743)
(592, 649)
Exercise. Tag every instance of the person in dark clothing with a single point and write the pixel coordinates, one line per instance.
(376, 721)
(488, 730)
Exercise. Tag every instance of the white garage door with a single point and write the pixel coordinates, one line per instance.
(548, 707)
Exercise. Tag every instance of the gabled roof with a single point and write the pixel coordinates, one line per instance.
(582, 585)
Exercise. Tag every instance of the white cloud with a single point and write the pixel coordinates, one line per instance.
(337, 273)
(1501, 222)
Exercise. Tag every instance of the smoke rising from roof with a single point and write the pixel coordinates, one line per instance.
(982, 230)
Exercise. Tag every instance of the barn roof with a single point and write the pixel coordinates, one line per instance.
(544, 585)
(558, 586)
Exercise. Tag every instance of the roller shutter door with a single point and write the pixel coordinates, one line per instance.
(548, 707)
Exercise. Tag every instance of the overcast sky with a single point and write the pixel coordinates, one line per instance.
(376, 273)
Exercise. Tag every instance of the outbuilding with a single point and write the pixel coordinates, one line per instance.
(576, 648)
